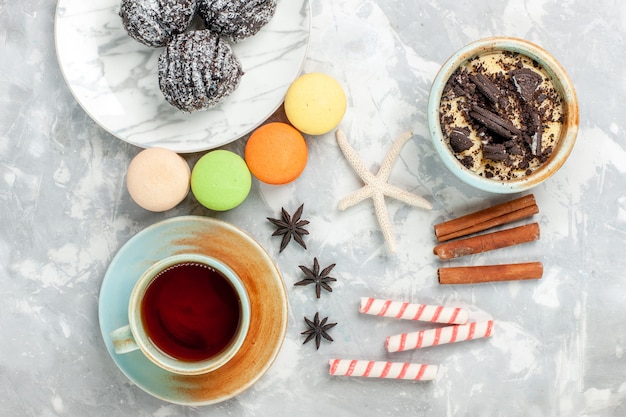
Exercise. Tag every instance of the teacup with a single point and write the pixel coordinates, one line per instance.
(189, 314)
(551, 138)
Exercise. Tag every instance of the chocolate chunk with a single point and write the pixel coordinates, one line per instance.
(468, 161)
(536, 137)
(495, 152)
(526, 81)
(486, 87)
(459, 139)
(513, 149)
(458, 85)
(495, 123)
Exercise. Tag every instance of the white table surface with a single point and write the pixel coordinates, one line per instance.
(558, 343)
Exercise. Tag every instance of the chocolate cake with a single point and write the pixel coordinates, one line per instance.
(155, 22)
(197, 70)
(501, 115)
(236, 19)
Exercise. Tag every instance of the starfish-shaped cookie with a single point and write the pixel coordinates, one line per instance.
(376, 186)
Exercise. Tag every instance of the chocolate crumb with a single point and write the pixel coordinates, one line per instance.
(459, 139)
(526, 81)
(486, 87)
(495, 152)
(495, 123)
(468, 161)
(537, 134)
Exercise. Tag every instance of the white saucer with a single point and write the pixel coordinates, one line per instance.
(268, 307)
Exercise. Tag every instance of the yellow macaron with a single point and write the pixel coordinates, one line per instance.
(315, 103)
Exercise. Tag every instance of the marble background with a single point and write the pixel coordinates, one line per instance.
(558, 346)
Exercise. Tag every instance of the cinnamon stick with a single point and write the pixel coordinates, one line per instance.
(497, 215)
(490, 273)
(488, 241)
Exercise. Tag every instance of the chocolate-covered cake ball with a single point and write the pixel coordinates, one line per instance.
(198, 69)
(155, 22)
(236, 19)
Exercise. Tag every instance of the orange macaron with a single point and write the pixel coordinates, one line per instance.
(276, 153)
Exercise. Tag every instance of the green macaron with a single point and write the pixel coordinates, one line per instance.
(221, 180)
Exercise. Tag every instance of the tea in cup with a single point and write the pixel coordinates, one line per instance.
(188, 314)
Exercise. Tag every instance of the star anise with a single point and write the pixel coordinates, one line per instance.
(290, 226)
(317, 329)
(320, 279)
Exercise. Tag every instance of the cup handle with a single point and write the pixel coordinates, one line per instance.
(123, 340)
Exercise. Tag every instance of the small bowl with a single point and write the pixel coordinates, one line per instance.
(563, 85)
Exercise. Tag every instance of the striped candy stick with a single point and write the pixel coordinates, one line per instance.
(440, 336)
(381, 369)
(409, 311)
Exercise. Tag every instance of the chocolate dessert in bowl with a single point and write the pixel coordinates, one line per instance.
(503, 114)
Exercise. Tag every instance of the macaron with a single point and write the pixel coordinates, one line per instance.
(315, 103)
(276, 153)
(157, 179)
(220, 180)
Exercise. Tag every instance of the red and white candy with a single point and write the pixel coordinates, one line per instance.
(381, 369)
(409, 311)
(440, 336)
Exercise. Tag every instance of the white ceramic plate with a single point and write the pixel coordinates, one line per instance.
(114, 78)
